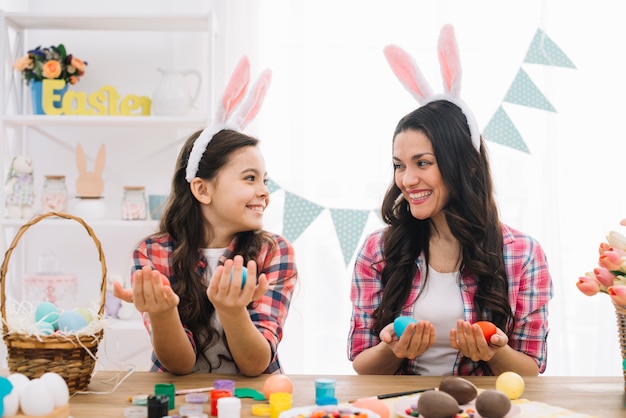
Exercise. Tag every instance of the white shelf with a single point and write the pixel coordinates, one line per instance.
(111, 22)
(104, 121)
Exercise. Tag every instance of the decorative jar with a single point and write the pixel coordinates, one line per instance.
(54, 194)
(134, 203)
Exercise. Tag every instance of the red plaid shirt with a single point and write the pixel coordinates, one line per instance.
(530, 289)
(268, 314)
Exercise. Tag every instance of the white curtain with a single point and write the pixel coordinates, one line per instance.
(327, 124)
(329, 115)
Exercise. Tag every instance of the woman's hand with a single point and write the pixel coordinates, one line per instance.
(416, 339)
(225, 290)
(152, 292)
(470, 341)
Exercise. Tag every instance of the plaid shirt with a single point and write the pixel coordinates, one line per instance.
(268, 314)
(530, 289)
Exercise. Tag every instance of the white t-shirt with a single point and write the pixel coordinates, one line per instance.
(227, 367)
(440, 302)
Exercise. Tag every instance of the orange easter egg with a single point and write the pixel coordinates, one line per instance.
(277, 383)
(375, 405)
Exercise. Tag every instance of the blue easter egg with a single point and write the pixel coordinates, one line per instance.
(47, 312)
(71, 321)
(84, 312)
(244, 275)
(400, 324)
(45, 328)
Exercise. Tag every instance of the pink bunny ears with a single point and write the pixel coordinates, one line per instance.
(410, 76)
(225, 116)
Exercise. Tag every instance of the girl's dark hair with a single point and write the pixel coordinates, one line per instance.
(471, 213)
(182, 219)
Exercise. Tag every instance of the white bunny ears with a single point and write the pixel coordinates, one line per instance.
(224, 118)
(410, 76)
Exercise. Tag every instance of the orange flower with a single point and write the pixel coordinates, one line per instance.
(24, 63)
(51, 69)
(73, 80)
(78, 64)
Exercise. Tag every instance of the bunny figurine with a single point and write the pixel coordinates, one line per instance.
(89, 183)
(19, 190)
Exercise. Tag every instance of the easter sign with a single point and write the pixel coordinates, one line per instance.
(105, 101)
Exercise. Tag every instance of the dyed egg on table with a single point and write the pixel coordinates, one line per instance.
(375, 405)
(511, 384)
(277, 383)
(461, 389)
(493, 404)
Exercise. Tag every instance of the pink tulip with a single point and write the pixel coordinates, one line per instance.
(610, 259)
(603, 247)
(604, 276)
(588, 285)
(618, 294)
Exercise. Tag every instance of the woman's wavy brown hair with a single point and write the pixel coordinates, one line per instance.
(183, 221)
(471, 213)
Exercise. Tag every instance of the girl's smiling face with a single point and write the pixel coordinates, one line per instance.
(238, 196)
(417, 175)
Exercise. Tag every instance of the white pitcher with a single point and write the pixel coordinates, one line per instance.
(172, 96)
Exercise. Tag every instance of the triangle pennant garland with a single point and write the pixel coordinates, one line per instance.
(544, 51)
(272, 186)
(524, 92)
(349, 225)
(298, 215)
(501, 130)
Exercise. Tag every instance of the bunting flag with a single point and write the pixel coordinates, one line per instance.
(524, 92)
(349, 224)
(299, 213)
(501, 130)
(545, 52)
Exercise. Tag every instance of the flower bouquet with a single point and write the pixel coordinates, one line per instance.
(610, 278)
(51, 63)
(49, 71)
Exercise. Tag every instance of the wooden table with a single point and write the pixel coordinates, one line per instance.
(600, 396)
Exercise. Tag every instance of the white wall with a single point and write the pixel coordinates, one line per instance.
(327, 123)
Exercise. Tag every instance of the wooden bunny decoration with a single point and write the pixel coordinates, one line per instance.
(89, 183)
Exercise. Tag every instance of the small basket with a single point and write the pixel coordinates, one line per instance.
(70, 356)
(621, 328)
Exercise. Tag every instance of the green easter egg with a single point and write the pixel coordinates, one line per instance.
(47, 312)
(45, 328)
(84, 312)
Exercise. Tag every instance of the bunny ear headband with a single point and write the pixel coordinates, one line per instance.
(225, 115)
(410, 76)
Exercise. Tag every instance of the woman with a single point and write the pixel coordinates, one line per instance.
(446, 260)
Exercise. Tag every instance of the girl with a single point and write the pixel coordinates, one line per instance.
(202, 311)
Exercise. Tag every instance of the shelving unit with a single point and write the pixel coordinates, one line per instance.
(24, 133)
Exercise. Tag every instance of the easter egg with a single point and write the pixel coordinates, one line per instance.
(488, 329)
(71, 321)
(400, 324)
(36, 398)
(11, 404)
(493, 403)
(244, 275)
(511, 384)
(45, 328)
(375, 405)
(57, 387)
(19, 381)
(84, 312)
(48, 312)
(277, 383)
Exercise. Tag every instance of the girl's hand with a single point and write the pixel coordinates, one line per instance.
(152, 292)
(225, 290)
(470, 341)
(416, 339)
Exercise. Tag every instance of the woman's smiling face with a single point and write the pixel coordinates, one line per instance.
(417, 174)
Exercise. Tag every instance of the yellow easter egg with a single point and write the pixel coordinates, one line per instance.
(511, 384)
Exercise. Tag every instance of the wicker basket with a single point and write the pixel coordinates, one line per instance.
(621, 328)
(70, 356)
